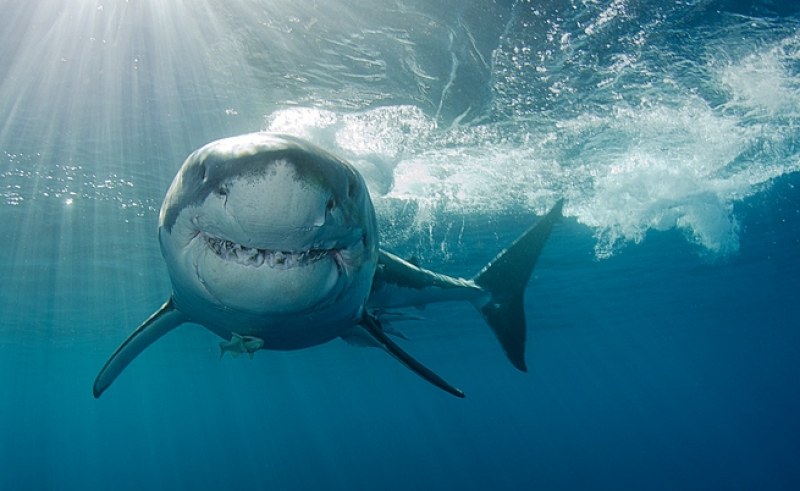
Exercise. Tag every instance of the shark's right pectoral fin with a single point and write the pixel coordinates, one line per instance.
(161, 322)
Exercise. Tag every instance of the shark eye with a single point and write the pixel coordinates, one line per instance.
(331, 205)
(222, 191)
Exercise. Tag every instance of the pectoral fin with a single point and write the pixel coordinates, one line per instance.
(161, 322)
(373, 327)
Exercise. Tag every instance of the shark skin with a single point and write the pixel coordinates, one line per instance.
(271, 243)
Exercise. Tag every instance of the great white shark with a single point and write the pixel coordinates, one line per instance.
(271, 243)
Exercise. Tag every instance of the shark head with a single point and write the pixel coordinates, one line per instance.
(261, 227)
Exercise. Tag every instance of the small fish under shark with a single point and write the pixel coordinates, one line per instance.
(239, 345)
(271, 243)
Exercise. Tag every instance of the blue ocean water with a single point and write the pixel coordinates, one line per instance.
(663, 342)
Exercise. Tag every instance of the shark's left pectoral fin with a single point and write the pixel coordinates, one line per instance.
(161, 322)
(373, 327)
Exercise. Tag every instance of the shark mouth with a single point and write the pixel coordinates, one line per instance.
(251, 256)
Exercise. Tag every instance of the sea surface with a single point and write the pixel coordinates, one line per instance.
(663, 334)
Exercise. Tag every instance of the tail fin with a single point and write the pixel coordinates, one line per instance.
(505, 278)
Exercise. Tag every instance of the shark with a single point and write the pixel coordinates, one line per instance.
(271, 243)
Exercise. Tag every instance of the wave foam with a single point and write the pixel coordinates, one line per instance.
(662, 157)
(638, 169)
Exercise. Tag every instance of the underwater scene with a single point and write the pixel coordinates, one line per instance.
(653, 146)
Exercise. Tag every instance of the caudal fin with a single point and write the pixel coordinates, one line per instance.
(505, 278)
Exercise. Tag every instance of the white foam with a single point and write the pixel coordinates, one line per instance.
(666, 170)
(669, 160)
(761, 82)
(638, 169)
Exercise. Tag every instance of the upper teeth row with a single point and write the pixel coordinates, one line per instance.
(251, 256)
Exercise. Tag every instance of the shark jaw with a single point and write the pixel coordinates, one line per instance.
(271, 278)
(273, 258)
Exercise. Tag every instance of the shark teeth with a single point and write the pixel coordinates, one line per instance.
(251, 256)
